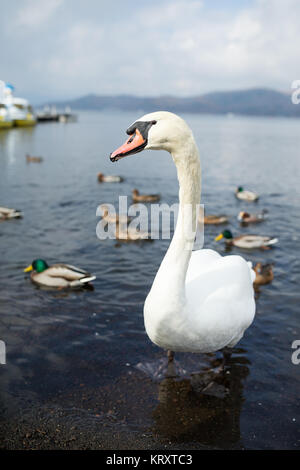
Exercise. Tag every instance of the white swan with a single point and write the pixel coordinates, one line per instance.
(199, 301)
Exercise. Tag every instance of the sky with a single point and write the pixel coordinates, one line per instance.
(64, 49)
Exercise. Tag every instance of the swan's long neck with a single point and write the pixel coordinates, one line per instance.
(172, 272)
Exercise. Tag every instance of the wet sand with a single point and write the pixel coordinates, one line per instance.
(37, 431)
(110, 418)
(135, 412)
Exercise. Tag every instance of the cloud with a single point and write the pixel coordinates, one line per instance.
(68, 48)
(35, 13)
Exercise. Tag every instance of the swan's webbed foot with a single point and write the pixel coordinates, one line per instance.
(165, 367)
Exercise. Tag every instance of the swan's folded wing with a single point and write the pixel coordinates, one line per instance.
(210, 273)
(226, 313)
(220, 301)
(201, 261)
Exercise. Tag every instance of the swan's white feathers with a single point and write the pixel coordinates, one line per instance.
(200, 262)
(215, 272)
(199, 301)
(219, 306)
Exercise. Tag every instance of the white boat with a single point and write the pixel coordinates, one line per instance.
(5, 120)
(19, 109)
(21, 112)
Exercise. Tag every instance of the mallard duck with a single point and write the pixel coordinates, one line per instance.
(199, 301)
(114, 218)
(247, 241)
(137, 197)
(130, 234)
(123, 232)
(58, 275)
(109, 178)
(6, 213)
(245, 195)
(245, 217)
(263, 274)
(30, 159)
(214, 219)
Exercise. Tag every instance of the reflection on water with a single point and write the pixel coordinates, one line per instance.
(77, 350)
(185, 413)
(203, 403)
(12, 139)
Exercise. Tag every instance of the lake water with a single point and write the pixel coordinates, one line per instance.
(74, 354)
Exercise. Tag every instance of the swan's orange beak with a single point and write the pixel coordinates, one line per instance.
(134, 144)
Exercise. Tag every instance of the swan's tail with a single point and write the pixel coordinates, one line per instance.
(252, 272)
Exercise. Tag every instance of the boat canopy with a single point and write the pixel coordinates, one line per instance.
(20, 102)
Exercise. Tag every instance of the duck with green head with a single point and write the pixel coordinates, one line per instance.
(249, 242)
(246, 195)
(58, 275)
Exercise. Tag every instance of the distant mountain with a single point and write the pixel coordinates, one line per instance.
(254, 102)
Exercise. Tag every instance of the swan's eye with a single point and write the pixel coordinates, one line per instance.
(131, 129)
(142, 126)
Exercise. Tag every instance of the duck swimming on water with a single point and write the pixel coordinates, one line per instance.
(263, 274)
(246, 195)
(7, 213)
(246, 218)
(137, 197)
(249, 242)
(109, 178)
(31, 159)
(215, 219)
(58, 275)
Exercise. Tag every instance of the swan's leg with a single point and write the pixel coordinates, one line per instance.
(171, 355)
(171, 372)
(227, 352)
